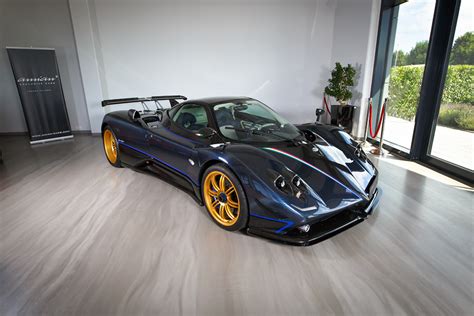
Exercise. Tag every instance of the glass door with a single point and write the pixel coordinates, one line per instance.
(412, 27)
(453, 139)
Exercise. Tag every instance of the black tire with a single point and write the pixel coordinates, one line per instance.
(243, 213)
(105, 134)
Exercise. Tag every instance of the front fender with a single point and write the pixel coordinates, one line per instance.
(256, 171)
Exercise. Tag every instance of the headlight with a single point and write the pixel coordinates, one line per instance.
(281, 183)
(298, 183)
(295, 186)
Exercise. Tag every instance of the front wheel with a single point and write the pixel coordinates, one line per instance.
(224, 198)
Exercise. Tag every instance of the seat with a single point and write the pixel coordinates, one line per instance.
(151, 120)
(224, 117)
(188, 121)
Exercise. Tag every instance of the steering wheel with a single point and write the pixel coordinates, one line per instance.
(266, 126)
(248, 125)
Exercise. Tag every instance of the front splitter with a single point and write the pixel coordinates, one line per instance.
(356, 217)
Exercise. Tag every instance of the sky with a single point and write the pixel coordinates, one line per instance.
(415, 18)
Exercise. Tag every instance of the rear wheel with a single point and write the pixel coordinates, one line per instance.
(111, 147)
(224, 198)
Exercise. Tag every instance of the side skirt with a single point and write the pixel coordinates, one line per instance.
(169, 176)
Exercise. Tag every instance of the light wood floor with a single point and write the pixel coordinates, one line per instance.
(78, 236)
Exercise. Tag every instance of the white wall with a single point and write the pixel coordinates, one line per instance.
(276, 51)
(355, 39)
(43, 23)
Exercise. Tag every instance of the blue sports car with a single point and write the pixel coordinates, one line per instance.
(253, 170)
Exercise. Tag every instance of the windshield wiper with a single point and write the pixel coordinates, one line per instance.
(260, 133)
(272, 132)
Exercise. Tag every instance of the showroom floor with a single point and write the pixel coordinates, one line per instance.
(79, 236)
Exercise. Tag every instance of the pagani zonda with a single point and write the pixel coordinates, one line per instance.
(251, 168)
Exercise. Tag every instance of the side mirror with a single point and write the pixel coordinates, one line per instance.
(134, 115)
(309, 135)
(206, 132)
(319, 112)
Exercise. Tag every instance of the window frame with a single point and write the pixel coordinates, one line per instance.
(437, 62)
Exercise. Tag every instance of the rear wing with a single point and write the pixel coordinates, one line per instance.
(171, 98)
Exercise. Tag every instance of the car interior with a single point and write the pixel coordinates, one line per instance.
(192, 117)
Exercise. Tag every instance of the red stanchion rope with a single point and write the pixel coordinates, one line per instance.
(380, 120)
(326, 104)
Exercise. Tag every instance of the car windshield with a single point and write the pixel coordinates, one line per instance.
(251, 120)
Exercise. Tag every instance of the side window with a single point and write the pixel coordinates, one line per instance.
(191, 116)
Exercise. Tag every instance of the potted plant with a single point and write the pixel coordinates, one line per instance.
(342, 78)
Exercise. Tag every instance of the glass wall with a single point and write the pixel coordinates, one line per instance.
(402, 86)
(424, 65)
(454, 135)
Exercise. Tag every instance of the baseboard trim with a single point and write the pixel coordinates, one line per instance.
(13, 133)
(87, 132)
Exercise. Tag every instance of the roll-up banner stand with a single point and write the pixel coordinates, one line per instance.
(39, 86)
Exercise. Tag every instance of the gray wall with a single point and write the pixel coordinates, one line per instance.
(277, 51)
(45, 23)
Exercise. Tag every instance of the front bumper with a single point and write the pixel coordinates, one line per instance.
(324, 229)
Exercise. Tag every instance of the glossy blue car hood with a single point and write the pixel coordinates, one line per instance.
(337, 178)
(325, 169)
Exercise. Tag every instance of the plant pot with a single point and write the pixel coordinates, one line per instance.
(342, 115)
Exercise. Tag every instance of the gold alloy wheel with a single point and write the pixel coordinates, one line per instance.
(110, 146)
(221, 198)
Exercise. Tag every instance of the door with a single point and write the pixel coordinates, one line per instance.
(175, 143)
